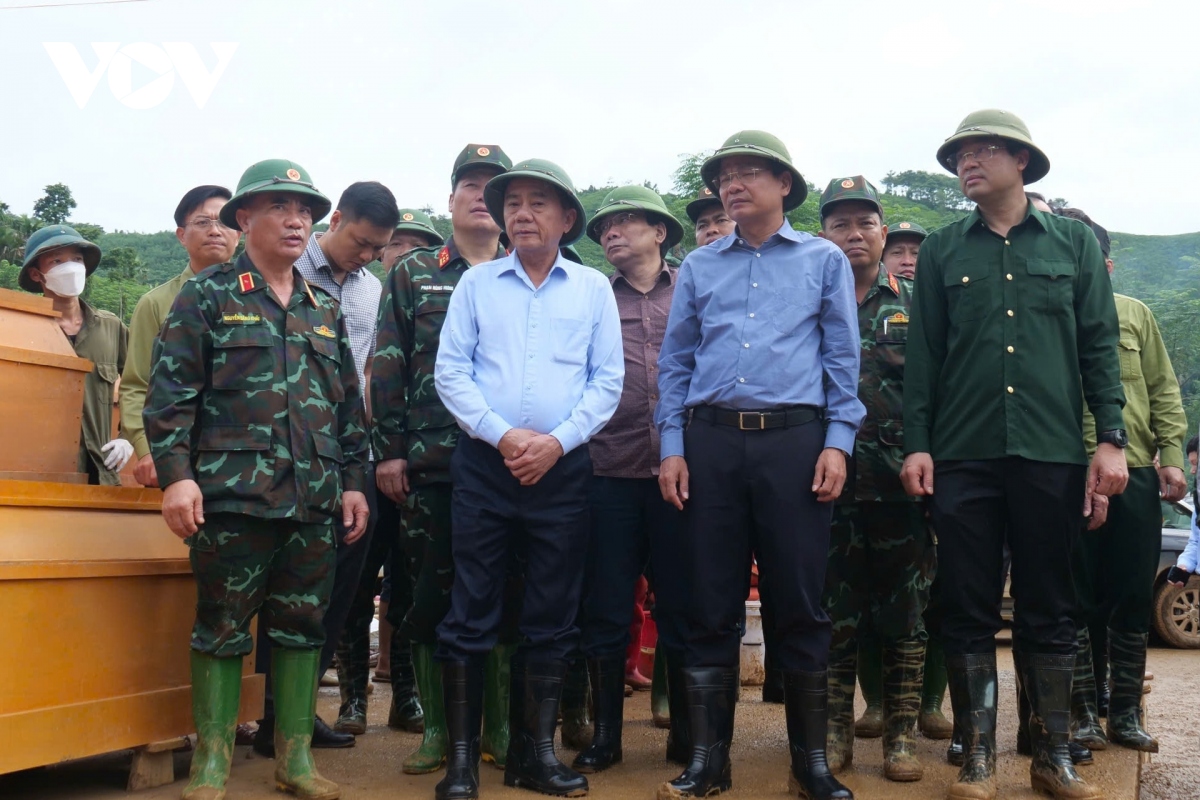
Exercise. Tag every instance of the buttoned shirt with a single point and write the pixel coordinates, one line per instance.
(102, 340)
(547, 358)
(1003, 330)
(755, 329)
(627, 447)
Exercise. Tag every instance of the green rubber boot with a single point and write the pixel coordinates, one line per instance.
(497, 677)
(431, 754)
(294, 680)
(660, 703)
(870, 678)
(216, 688)
(839, 733)
(933, 722)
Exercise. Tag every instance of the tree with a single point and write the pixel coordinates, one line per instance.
(122, 264)
(688, 182)
(927, 188)
(56, 206)
(88, 231)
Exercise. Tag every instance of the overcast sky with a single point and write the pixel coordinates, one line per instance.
(612, 91)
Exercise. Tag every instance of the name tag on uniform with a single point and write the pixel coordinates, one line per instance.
(899, 318)
(436, 288)
(240, 319)
(325, 331)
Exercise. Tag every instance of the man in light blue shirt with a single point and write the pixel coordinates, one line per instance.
(761, 352)
(530, 364)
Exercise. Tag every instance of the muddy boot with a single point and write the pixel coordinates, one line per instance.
(679, 740)
(1085, 719)
(431, 754)
(933, 722)
(531, 763)
(954, 753)
(870, 678)
(712, 697)
(353, 655)
(497, 679)
(608, 696)
(406, 713)
(806, 710)
(1047, 680)
(903, 663)
(462, 699)
(1127, 656)
(294, 678)
(576, 719)
(216, 689)
(973, 697)
(660, 703)
(839, 738)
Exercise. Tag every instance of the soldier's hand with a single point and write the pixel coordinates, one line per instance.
(673, 480)
(538, 455)
(1172, 485)
(1108, 473)
(144, 471)
(830, 476)
(355, 513)
(1095, 509)
(514, 442)
(917, 474)
(183, 508)
(391, 477)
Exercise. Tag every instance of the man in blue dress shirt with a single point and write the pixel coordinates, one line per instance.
(531, 366)
(758, 409)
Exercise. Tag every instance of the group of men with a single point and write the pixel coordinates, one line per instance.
(532, 437)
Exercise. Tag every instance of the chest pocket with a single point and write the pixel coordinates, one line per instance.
(243, 357)
(1130, 351)
(326, 367)
(892, 334)
(428, 315)
(970, 291)
(1052, 286)
(570, 340)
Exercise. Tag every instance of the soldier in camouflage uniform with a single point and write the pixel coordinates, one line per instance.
(881, 556)
(415, 436)
(415, 230)
(708, 217)
(255, 421)
(901, 248)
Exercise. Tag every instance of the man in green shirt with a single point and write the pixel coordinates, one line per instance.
(207, 242)
(1013, 311)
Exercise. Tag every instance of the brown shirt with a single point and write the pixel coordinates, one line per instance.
(627, 447)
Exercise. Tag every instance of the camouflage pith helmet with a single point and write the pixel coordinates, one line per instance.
(479, 155)
(541, 170)
(637, 198)
(50, 238)
(903, 229)
(416, 221)
(275, 175)
(763, 145)
(856, 187)
(705, 199)
(995, 122)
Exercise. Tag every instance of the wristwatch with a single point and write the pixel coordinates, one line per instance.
(1116, 437)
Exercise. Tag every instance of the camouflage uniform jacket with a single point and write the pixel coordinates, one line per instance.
(257, 403)
(879, 445)
(410, 421)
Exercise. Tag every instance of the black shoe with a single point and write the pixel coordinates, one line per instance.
(973, 696)
(462, 694)
(327, 738)
(533, 702)
(264, 738)
(712, 696)
(1047, 680)
(805, 706)
(772, 691)
(679, 739)
(608, 696)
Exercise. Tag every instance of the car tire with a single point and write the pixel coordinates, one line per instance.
(1177, 614)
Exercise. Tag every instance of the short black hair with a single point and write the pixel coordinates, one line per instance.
(1193, 445)
(370, 201)
(196, 198)
(1099, 230)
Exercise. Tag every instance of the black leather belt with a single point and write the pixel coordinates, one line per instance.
(758, 420)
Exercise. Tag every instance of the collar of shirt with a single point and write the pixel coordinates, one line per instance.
(975, 221)
(256, 282)
(883, 280)
(513, 264)
(785, 230)
(313, 263)
(666, 270)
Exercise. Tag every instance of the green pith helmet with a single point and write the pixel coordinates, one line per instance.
(703, 201)
(50, 238)
(902, 229)
(275, 175)
(479, 155)
(763, 145)
(416, 221)
(994, 122)
(637, 198)
(542, 170)
(856, 187)
(571, 254)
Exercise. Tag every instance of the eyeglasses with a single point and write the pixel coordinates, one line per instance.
(618, 221)
(980, 154)
(204, 223)
(743, 177)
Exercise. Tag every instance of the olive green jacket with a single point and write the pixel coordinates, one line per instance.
(103, 340)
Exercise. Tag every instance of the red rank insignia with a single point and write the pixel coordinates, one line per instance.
(246, 281)
(892, 282)
(444, 257)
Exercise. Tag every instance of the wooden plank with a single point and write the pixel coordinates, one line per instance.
(43, 494)
(150, 769)
(19, 355)
(53, 570)
(30, 303)
(38, 535)
(169, 745)
(56, 477)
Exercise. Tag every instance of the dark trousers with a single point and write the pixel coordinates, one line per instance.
(493, 517)
(1038, 506)
(384, 540)
(751, 492)
(630, 525)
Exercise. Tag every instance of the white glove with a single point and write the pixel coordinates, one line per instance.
(117, 453)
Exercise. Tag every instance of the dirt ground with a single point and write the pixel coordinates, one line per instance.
(371, 770)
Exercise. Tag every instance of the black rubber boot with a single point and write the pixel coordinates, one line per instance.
(608, 697)
(533, 699)
(805, 706)
(1024, 748)
(323, 737)
(1127, 652)
(954, 753)
(712, 697)
(973, 696)
(1085, 718)
(574, 707)
(462, 696)
(1047, 681)
(353, 654)
(405, 713)
(679, 739)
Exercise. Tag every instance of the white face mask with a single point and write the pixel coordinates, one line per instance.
(66, 280)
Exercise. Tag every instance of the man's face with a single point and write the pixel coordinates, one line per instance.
(534, 215)
(900, 256)
(49, 260)
(205, 239)
(628, 238)
(351, 244)
(468, 211)
(401, 243)
(855, 227)
(713, 224)
(986, 168)
(277, 224)
(748, 189)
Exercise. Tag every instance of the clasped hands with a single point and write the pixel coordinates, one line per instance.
(529, 455)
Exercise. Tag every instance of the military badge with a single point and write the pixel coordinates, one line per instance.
(444, 257)
(238, 318)
(408, 217)
(325, 331)
(899, 318)
(847, 184)
(484, 152)
(892, 282)
(246, 281)
(293, 175)
(905, 225)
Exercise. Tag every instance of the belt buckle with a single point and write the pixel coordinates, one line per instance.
(762, 421)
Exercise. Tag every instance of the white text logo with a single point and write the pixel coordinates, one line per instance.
(164, 62)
